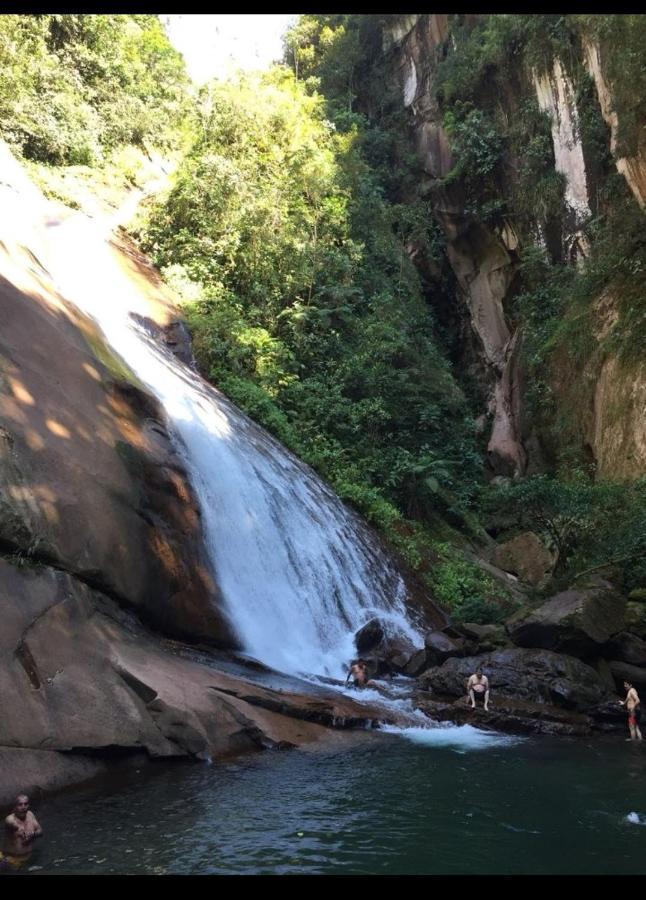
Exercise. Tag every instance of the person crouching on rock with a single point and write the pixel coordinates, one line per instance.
(478, 686)
(21, 829)
(358, 672)
(634, 710)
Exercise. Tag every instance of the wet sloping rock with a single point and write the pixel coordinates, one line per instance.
(577, 621)
(602, 669)
(509, 714)
(526, 557)
(89, 480)
(537, 675)
(33, 771)
(80, 675)
(609, 716)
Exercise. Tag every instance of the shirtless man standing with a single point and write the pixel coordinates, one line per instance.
(633, 707)
(478, 686)
(21, 829)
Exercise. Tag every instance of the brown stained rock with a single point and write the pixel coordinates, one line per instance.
(88, 476)
(526, 557)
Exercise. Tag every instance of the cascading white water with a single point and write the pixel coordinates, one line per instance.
(298, 571)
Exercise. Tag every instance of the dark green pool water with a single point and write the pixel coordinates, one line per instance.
(445, 801)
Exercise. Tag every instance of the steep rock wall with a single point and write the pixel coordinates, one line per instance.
(609, 424)
(479, 257)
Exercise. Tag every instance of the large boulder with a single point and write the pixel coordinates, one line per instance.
(440, 647)
(626, 647)
(369, 636)
(384, 647)
(577, 621)
(484, 637)
(82, 677)
(417, 664)
(526, 557)
(623, 671)
(537, 675)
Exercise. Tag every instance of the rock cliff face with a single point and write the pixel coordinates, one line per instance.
(484, 258)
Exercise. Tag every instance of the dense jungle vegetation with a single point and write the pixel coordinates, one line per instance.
(294, 233)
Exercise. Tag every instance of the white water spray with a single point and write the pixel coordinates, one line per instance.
(298, 571)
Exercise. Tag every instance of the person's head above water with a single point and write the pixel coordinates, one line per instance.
(627, 685)
(479, 671)
(21, 806)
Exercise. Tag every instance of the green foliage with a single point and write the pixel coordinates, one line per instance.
(588, 524)
(75, 87)
(304, 304)
(556, 303)
(469, 594)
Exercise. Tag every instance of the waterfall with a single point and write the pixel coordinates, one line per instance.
(298, 571)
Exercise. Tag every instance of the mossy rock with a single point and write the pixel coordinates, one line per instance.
(638, 594)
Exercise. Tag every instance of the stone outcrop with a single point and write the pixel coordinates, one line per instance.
(623, 671)
(369, 636)
(555, 93)
(81, 676)
(604, 402)
(635, 620)
(509, 714)
(385, 650)
(526, 557)
(440, 647)
(626, 647)
(539, 676)
(578, 621)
